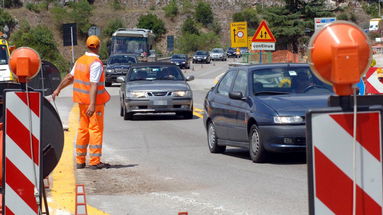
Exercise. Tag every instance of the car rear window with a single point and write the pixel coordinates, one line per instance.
(151, 73)
(123, 59)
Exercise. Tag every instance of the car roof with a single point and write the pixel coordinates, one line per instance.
(271, 65)
(153, 64)
(130, 55)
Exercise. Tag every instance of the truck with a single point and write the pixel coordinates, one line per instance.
(5, 72)
(136, 41)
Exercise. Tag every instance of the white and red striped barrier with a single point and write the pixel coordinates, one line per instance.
(330, 160)
(22, 156)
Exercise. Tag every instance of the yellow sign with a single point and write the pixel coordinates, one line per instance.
(263, 34)
(238, 34)
(249, 42)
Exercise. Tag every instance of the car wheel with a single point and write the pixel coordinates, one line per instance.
(121, 111)
(256, 149)
(212, 140)
(127, 116)
(108, 84)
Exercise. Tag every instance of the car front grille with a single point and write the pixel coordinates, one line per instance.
(160, 93)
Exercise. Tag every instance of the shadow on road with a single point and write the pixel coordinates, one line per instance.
(158, 117)
(119, 166)
(273, 158)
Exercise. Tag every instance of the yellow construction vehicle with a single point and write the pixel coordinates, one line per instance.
(5, 72)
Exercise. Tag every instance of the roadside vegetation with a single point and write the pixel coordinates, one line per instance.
(153, 23)
(41, 39)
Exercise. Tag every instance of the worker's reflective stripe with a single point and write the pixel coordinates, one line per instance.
(81, 154)
(81, 146)
(95, 154)
(88, 83)
(87, 91)
(95, 146)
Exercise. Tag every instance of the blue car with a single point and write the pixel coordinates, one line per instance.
(262, 108)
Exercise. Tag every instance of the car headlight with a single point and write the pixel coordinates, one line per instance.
(204, 57)
(136, 94)
(183, 62)
(181, 93)
(109, 70)
(287, 119)
(194, 57)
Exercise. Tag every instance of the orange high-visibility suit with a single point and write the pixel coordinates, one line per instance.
(90, 131)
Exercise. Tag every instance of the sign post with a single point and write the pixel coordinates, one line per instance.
(238, 34)
(70, 36)
(263, 39)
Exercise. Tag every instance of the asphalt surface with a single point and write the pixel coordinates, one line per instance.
(161, 165)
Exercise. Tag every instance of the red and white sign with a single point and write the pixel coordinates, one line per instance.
(332, 163)
(263, 34)
(373, 84)
(22, 152)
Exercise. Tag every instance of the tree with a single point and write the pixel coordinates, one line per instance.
(171, 9)
(41, 39)
(12, 3)
(6, 19)
(204, 13)
(248, 15)
(189, 26)
(153, 23)
(112, 26)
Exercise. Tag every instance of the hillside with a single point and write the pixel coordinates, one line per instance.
(131, 10)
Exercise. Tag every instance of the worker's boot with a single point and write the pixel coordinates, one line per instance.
(80, 166)
(100, 166)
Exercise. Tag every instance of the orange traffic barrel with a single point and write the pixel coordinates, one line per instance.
(340, 54)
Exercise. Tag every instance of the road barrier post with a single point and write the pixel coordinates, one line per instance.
(344, 141)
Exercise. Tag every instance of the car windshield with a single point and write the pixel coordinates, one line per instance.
(200, 53)
(151, 73)
(217, 50)
(178, 56)
(123, 59)
(3, 55)
(231, 49)
(279, 80)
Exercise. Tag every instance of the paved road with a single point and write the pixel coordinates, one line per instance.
(161, 165)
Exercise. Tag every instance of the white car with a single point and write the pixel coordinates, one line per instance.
(218, 54)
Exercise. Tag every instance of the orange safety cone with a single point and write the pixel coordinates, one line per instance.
(339, 55)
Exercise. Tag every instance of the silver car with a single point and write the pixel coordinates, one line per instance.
(218, 54)
(155, 88)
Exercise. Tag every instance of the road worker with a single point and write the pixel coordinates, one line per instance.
(89, 92)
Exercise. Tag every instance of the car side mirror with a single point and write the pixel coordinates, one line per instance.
(236, 95)
(120, 79)
(190, 78)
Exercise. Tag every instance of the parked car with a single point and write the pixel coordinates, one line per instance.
(180, 60)
(232, 52)
(244, 50)
(118, 65)
(218, 54)
(262, 108)
(155, 88)
(201, 57)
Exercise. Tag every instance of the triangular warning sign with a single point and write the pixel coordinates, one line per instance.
(263, 34)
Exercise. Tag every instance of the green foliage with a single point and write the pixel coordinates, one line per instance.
(7, 19)
(104, 54)
(78, 12)
(116, 5)
(153, 23)
(191, 42)
(248, 15)
(41, 39)
(371, 9)
(204, 13)
(346, 16)
(112, 26)
(37, 8)
(189, 26)
(215, 27)
(171, 9)
(152, 7)
(11, 3)
(186, 7)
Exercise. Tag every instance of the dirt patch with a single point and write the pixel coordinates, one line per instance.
(126, 180)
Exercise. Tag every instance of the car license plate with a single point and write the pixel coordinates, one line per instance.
(160, 102)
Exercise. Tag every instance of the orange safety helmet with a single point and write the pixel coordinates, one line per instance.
(93, 42)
